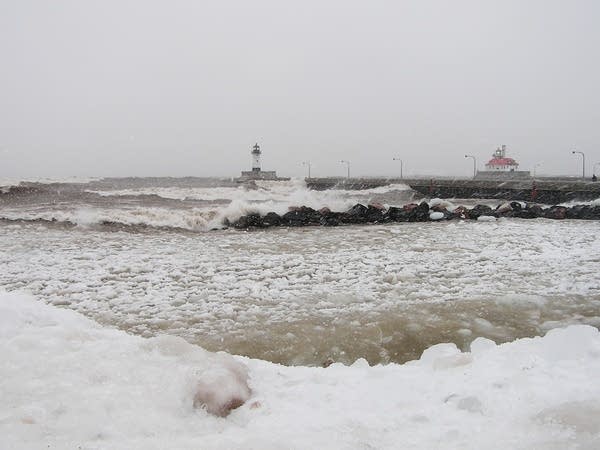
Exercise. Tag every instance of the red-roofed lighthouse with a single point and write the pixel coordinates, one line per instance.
(500, 162)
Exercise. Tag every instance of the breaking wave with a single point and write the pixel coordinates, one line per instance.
(132, 220)
(191, 208)
(294, 190)
(8, 182)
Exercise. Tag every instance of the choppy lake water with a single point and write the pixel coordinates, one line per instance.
(137, 254)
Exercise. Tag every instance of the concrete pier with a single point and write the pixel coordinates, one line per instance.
(543, 190)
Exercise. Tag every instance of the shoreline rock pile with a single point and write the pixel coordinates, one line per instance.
(423, 212)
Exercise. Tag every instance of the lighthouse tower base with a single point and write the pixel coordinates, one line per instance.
(260, 175)
(499, 175)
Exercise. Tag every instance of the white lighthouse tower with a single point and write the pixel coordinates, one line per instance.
(257, 173)
(255, 158)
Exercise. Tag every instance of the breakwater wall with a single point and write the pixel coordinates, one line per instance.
(412, 212)
(550, 191)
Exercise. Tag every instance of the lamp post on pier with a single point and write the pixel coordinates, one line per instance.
(401, 164)
(307, 163)
(347, 166)
(583, 162)
(474, 164)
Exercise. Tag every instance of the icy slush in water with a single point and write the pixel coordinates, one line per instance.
(138, 255)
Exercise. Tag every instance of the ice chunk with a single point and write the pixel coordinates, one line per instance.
(481, 345)
(222, 388)
(438, 351)
(445, 356)
(361, 363)
(571, 343)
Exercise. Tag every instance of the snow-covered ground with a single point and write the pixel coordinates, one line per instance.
(68, 383)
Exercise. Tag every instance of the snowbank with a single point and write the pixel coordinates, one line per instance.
(66, 382)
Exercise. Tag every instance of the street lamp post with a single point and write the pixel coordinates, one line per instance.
(535, 167)
(474, 164)
(401, 164)
(347, 166)
(307, 163)
(583, 162)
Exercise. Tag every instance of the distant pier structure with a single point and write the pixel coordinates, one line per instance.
(257, 173)
(501, 167)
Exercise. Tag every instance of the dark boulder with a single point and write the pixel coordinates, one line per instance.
(331, 219)
(397, 214)
(272, 219)
(480, 210)
(356, 214)
(516, 206)
(298, 217)
(313, 216)
(576, 212)
(505, 210)
(358, 210)
(420, 213)
(252, 220)
(524, 214)
(585, 212)
(536, 210)
(531, 211)
(374, 214)
(594, 213)
(460, 212)
(294, 218)
(556, 212)
(345, 218)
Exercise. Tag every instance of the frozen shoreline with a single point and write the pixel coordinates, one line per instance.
(67, 382)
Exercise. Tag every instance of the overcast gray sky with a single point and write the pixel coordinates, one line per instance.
(141, 87)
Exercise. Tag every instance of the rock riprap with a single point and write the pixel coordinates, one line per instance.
(412, 212)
